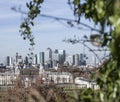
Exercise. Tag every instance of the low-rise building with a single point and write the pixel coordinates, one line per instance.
(85, 83)
(60, 77)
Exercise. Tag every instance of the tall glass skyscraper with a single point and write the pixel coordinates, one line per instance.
(62, 56)
(42, 58)
(48, 55)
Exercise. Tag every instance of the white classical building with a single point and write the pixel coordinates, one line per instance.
(60, 77)
(85, 83)
(7, 79)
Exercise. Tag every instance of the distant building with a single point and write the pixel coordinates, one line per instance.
(35, 59)
(48, 55)
(82, 59)
(70, 60)
(18, 59)
(7, 79)
(42, 58)
(94, 61)
(76, 60)
(62, 56)
(86, 83)
(56, 51)
(56, 59)
(26, 61)
(9, 61)
(58, 56)
(60, 77)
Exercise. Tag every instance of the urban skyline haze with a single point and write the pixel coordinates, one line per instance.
(47, 32)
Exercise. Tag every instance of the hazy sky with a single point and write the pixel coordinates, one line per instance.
(47, 32)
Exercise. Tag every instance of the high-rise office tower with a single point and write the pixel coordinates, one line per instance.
(16, 59)
(82, 59)
(35, 59)
(56, 51)
(70, 60)
(62, 56)
(9, 61)
(76, 59)
(56, 57)
(48, 55)
(26, 61)
(42, 58)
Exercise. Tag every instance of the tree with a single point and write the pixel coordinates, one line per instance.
(106, 13)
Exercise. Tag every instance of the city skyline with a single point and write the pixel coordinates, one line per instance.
(47, 32)
(47, 58)
(59, 56)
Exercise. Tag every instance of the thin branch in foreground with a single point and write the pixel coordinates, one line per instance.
(58, 19)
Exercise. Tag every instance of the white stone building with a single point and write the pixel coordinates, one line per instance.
(85, 83)
(60, 77)
(7, 79)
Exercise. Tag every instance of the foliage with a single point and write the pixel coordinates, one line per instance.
(106, 13)
(83, 95)
(88, 95)
(34, 93)
(25, 28)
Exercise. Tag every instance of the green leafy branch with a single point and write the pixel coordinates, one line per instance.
(107, 14)
(25, 27)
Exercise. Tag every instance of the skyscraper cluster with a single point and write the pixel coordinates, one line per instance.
(52, 59)
(76, 60)
(47, 59)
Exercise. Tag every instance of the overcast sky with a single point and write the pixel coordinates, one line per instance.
(48, 32)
